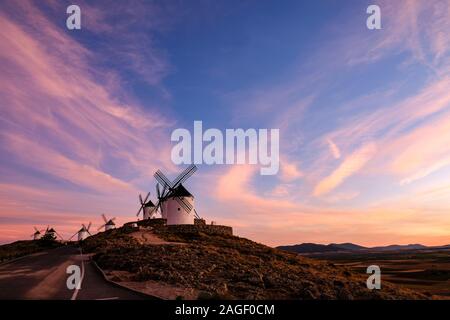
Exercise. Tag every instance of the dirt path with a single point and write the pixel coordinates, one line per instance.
(148, 237)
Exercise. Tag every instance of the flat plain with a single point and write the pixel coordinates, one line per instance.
(424, 270)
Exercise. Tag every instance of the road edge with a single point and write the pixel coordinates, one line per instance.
(102, 273)
(25, 256)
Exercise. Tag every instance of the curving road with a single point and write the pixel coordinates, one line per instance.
(43, 276)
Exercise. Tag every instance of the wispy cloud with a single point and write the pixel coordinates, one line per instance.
(334, 149)
(68, 123)
(351, 165)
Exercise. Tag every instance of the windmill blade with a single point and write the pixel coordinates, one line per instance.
(89, 226)
(158, 193)
(89, 232)
(196, 214)
(151, 213)
(59, 235)
(140, 199)
(32, 235)
(36, 229)
(159, 206)
(104, 218)
(164, 194)
(84, 226)
(189, 171)
(186, 206)
(181, 203)
(167, 181)
(139, 211)
(161, 197)
(113, 219)
(146, 198)
(73, 236)
(185, 171)
(159, 179)
(98, 229)
(162, 179)
(187, 176)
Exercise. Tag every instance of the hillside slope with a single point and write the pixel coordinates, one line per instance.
(230, 267)
(21, 248)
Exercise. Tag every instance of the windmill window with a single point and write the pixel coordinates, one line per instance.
(178, 209)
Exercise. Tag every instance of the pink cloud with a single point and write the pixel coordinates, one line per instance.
(334, 149)
(351, 165)
(65, 120)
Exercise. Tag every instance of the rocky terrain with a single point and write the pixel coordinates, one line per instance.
(226, 267)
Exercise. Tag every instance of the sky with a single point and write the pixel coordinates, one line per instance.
(364, 115)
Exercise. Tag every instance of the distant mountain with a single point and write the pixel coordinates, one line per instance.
(395, 247)
(313, 247)
(349, 247)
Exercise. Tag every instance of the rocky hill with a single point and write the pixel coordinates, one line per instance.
(198, 265)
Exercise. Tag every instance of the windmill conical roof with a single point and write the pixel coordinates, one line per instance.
(110, 223)
(180, 191)
(149, 204)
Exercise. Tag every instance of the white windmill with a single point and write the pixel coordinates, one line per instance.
(37, 234)
(82, 233)
(109, 224)
(176, 203)
(147, 207)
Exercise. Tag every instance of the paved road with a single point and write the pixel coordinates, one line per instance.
(43, 276)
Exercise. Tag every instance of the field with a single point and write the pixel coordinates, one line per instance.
(426, 270)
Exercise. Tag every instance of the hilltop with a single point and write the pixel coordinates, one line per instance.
(199, 265)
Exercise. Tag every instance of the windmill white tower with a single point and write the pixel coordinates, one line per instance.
(147, 207)
(82, 233)
(109, 224)
(37, 234)
(175, 203)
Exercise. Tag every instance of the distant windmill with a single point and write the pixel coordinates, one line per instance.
(82, 233)
(147, 207)
(175, 203)
(52, 232)
(109, 224)
(37, 234)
